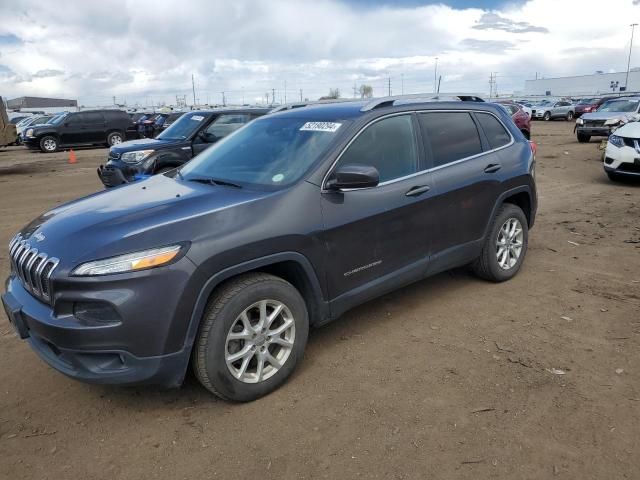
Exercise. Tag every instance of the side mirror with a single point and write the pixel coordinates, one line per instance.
(353, 176)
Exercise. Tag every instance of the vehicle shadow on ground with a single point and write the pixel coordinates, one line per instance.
(359, 320)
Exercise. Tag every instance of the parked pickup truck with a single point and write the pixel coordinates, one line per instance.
(551, 109)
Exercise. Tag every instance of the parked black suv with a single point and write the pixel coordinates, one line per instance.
(189, 135)
(89, 127)
(226, 262)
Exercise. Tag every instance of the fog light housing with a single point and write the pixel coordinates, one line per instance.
(96, 314)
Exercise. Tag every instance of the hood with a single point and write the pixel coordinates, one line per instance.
(143, 144)
(152, 213)
(628, 116)
(630, 130)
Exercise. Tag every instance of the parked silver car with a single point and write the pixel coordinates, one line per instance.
(551, 109)
(609, 116)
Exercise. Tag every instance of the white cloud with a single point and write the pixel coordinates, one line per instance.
(138, 52)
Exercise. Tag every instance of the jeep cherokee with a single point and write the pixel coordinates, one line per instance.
(226, 262)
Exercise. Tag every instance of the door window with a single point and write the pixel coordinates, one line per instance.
(388, 145)
(451, 135)
(495, 132)
(92, 118)
(224, 125)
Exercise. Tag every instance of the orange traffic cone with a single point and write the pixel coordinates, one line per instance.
(72, 156)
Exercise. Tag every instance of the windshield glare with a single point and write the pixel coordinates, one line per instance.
(619, 106)
(270, 152)
(56, 120)
(183, 128)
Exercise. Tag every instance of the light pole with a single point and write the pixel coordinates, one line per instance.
(435, 75)
(626, 82)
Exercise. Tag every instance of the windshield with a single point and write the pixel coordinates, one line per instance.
(270, 152)
(25, 121)
(619, 106)
(57, 119)
(183, 128)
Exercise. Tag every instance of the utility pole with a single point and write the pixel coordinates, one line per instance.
(193, 87)
(114, 99)
(626, 82)
(389, 85)
(354, 90)
(273, 96)
(224, 100)
(435, 76)
(490, 85)
(242, 95)
(300, 94)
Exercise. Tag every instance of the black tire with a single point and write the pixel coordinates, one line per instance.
(48, 144)
(547, 116)
(583, 138)
(114, 138)
(569, 116)
(486, 265)
(614, 177)
(222, 312)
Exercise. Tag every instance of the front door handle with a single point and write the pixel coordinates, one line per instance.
(492, 168)
(418, 190)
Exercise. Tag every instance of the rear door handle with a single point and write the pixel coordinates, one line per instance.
(418, 190)
(492, 168)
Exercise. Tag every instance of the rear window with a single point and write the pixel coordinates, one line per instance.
(451, 135)
(495, 132)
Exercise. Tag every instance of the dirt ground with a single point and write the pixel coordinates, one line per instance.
(449, 378)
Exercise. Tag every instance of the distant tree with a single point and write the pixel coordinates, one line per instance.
(333, 94)
(366, 91)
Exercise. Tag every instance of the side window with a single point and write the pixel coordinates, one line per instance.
(225, 124)
(389, 145)
(74, 119)
(493, 129)
(92, 118)
(451, 135)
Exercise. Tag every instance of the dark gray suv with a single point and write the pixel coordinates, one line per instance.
(226, 262)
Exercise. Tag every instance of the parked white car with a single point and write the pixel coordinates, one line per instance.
(622, 155)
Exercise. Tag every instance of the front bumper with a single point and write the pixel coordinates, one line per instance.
(116, 173)
(147, 346)
(622, 160)
(31, 142)
(594, 131)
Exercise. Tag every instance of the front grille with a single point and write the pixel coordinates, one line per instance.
(629, 167)
(33, 268)
(632, 142)
(594, 123)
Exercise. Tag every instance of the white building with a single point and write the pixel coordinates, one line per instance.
(596, 84)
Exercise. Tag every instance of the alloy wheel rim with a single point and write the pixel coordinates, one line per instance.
(116, 139)
(260, 341)
(49, 145)
(509, 243)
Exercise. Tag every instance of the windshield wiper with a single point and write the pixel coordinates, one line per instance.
(214, 181)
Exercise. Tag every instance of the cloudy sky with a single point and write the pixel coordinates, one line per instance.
(145, 52)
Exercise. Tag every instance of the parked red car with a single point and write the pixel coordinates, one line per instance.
(519, 117)
(588, 105)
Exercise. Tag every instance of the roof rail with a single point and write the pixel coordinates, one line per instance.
(292, 105)
(419, 98)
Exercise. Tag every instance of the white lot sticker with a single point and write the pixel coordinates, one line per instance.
(277, 178)
(320, 127)
(197, 118)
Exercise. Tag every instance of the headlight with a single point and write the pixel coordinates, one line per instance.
(29, 132)
(616, 141)
(130, 262)
(135, 157)
(612, 121)
(580, 121)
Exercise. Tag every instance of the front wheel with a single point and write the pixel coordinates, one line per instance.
(505, 247)
(569, 116)
(253, 335)
(582, 138)
(49, 144)
(547, 116)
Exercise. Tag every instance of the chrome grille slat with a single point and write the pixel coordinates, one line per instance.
(32, 267)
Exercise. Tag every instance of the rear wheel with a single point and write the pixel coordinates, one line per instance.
(569, 116)
(505, 247)
(253, 335)
(49, 144)
(114, 138)
(547, 116)
(583, 138)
